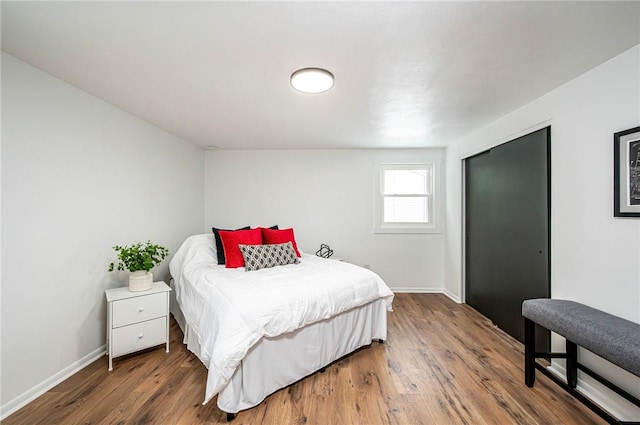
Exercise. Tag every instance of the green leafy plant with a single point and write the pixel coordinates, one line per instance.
(139, 256)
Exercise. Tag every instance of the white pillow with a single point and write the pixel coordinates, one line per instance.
(195, 249)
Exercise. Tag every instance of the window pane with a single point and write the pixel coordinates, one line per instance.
(405, 182)
(406, 209)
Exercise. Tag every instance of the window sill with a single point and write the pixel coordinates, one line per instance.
(407, 230)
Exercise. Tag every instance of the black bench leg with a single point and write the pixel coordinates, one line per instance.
(529, 352)
(572, 364)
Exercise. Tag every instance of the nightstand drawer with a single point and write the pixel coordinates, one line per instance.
(128, 339)
(139, 309)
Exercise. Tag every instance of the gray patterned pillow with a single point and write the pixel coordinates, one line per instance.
(258, 257)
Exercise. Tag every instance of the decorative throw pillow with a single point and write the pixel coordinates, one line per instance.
(230, 242)
(219, 248)
(279, 236)
(275, 227)
(263, 256)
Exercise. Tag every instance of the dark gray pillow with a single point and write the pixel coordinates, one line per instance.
(258, 257)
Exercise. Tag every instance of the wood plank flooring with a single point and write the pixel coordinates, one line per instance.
(443, 363)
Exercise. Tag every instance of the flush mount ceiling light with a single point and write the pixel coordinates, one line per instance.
(312, 80)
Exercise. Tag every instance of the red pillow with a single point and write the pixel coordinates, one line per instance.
(230, 242)
(279, 236)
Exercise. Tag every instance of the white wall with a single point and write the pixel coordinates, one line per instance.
(595, 258)
(327, 197)
(78, 176)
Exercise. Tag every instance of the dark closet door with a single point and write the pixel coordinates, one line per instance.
(507, 201)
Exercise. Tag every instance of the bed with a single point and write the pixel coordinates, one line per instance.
(260, 331)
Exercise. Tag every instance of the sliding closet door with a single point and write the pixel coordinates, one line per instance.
(507, 204)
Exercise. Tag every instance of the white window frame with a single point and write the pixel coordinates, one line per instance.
(432, 226)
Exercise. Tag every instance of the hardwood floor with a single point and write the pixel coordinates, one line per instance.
(443, 363)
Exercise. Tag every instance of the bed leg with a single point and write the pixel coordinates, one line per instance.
(323, 369)
(230, 417)
(381, 341)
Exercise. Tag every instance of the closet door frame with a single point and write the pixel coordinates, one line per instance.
(464, 195)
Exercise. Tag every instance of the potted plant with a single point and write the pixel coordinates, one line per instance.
(139, 259)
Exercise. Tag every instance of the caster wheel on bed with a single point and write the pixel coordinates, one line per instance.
(230, 417)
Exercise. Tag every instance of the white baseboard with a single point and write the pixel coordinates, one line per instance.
(452, 296)
(599, 394)
(415, 290)
(44, 386)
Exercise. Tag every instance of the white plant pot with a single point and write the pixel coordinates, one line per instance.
(140, 281)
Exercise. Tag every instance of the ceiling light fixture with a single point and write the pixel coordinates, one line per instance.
(312, 80)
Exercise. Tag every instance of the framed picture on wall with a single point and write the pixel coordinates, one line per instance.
(626, 173)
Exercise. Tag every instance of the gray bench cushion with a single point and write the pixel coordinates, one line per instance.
(612, 338)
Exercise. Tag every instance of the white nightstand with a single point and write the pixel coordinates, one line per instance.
(136, 320)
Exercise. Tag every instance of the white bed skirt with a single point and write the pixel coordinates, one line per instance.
(274, 363)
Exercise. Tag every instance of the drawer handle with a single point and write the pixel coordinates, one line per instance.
(141, 336)
(141, 309)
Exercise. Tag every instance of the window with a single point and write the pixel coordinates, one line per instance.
(405, 199)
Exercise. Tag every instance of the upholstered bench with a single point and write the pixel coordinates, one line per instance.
(612, 338)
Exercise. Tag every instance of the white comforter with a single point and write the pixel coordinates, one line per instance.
(231, 309)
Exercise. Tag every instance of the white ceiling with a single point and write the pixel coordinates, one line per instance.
(408, 74)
